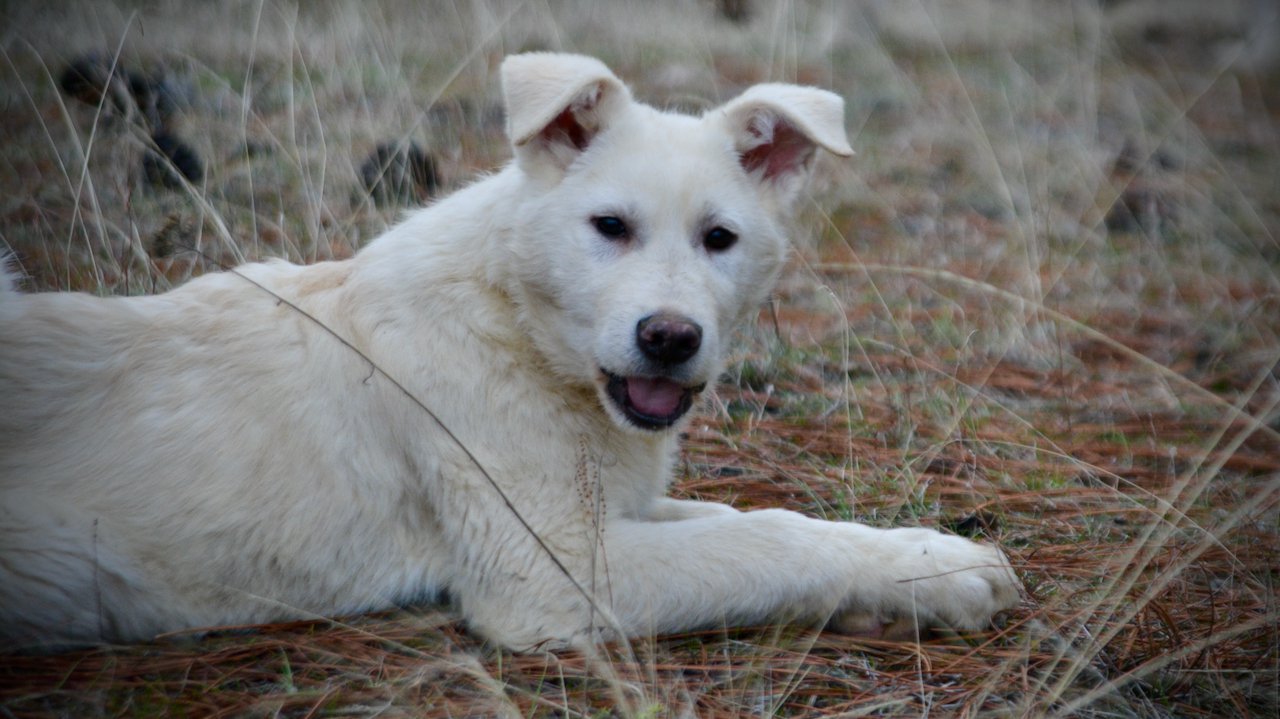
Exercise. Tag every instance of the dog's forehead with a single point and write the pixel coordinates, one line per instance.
(683, 159)
(675, 133)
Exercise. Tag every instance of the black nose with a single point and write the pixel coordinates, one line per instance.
(668, 338)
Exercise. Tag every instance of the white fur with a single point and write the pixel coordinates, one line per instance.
(251, 447)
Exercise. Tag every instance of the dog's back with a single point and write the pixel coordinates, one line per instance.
(163, 458)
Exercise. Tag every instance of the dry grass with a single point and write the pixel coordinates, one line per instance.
(1040, 305)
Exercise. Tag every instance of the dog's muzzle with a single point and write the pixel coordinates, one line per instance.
(654, 398)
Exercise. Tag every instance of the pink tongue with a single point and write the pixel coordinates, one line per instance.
(655, 397)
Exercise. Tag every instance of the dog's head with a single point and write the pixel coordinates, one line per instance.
(647, 236)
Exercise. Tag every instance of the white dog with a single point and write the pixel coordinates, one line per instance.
(482, 404)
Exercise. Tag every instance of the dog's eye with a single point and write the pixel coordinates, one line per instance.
(610, 226)
(719, 239)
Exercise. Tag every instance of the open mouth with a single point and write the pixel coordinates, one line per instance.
(650, 402)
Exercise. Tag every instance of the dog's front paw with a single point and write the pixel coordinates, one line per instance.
(927, 579)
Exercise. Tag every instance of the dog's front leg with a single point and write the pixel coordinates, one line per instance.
(736, 567)
(669, 509)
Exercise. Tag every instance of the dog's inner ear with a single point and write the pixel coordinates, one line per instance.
(571, 131)
(779, 148)
(566, 127)
(777, 130)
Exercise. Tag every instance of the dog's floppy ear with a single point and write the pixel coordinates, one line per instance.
(556, 104)
(777, 128)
